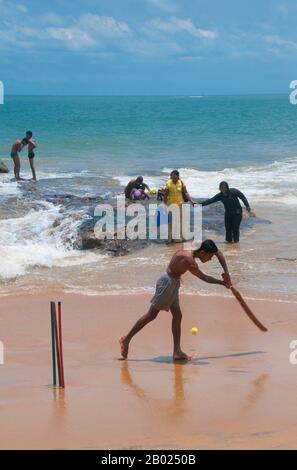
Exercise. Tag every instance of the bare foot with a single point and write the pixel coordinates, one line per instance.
(181, 356)
(124, 347)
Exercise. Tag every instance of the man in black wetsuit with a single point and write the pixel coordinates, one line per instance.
(233, 210)
(135, 184)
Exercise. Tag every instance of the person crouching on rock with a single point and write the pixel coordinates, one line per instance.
(138, 184)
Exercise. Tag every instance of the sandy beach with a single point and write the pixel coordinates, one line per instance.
(238, 391)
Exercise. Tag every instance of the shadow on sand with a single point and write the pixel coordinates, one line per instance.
(195, 360)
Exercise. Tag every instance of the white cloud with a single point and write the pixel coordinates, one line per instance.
(90, 31)
(7, 38)
(191, 58)
(51, 19)
(105, 26)
(164, 38)
(27, 32)
(282, 8)
(73, 37)
(8, 8)
(164, 5)
(107, 35)
(21, 8)
(174, 25)
(10, 39)
(144, 48)
(278, 41)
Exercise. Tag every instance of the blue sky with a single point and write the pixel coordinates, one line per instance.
(148, 46)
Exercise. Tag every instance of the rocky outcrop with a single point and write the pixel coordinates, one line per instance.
(80, 211)
(213, 219)
(87, 240)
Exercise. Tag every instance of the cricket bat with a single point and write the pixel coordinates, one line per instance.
(247, 309)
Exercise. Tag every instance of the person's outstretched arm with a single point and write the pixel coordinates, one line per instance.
(204, 277)
(223, 263)
(244, 199)
(216, 198)
(188, 196)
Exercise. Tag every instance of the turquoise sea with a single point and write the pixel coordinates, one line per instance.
(91, 146)
(143, 134)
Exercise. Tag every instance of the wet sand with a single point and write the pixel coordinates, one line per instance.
(238, 392)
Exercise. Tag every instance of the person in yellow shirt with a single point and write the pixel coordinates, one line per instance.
(176, 193)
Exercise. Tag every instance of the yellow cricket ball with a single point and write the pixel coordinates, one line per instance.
(194, 330)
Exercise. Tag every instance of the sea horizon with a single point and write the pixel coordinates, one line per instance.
(148, 94)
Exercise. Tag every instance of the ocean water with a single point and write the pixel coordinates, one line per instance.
(91, 146)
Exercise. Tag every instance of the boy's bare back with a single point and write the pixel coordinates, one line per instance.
(181, 262)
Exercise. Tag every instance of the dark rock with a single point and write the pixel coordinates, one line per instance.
(87, 240)
(213, 219)
(3, 168)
